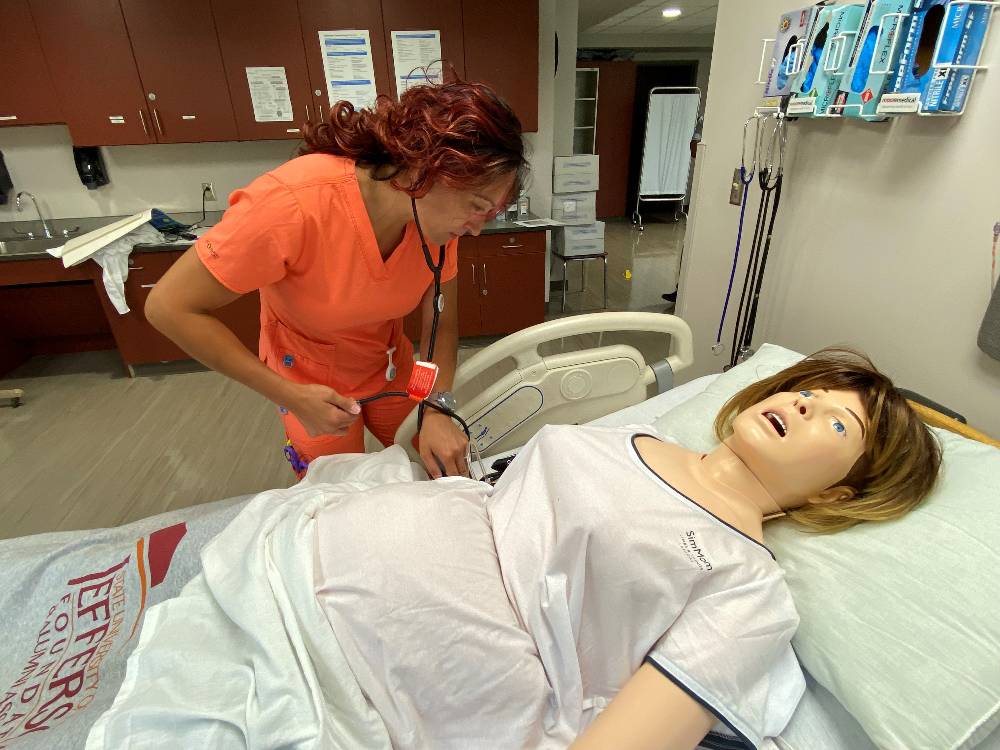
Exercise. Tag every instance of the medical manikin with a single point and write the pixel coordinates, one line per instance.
(614, 589)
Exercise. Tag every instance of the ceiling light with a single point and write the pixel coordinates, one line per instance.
(671, 12)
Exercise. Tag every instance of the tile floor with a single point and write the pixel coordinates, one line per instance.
(91, 448)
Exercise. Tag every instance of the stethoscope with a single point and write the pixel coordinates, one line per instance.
(746, 179)
(770, 179)
(769, 173)
(434, 401)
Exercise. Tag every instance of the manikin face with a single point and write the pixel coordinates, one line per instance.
(801, 443)
(447, 212)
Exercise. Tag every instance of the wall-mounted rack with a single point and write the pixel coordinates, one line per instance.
(891, 105)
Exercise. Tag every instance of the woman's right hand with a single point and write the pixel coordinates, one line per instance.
(323, 411)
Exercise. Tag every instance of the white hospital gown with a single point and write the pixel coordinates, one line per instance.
(508, 618)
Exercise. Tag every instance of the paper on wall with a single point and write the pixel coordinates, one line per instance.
(269, 94)
(416, 57)
(347, 64)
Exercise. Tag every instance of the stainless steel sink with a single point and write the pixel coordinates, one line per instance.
(28, 247)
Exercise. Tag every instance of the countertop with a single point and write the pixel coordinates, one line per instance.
(10, 230)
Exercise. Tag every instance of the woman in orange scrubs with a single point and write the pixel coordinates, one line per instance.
(330, 241)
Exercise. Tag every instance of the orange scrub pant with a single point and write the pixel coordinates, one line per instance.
(354, 369)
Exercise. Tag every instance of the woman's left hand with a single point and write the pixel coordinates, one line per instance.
(442, 446)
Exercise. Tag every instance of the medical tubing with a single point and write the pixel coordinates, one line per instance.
(473, 446)
(453, 415)
(404, 394)
(384, 394)
(751, 271)
(736, 254)
(752, 318)
(436, 270)
(768, 189)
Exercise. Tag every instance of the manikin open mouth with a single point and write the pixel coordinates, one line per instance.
(777, 422)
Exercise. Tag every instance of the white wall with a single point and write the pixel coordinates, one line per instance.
(167, 176)
(883, 241)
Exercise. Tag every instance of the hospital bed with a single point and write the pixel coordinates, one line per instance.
(57, 584)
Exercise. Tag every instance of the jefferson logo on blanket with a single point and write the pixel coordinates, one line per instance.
(78, 632)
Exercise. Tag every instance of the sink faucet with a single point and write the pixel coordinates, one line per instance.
(45, 224)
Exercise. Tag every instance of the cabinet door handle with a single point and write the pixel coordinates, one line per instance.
(142, 119)
(135, 268)
(156, 119)
(485, 289)
(146, 286)
(308, 119)
(473, 273)
(511, 247)
(8, 118)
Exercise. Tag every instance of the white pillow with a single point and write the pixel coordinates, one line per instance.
(900, 620)
(691, 422)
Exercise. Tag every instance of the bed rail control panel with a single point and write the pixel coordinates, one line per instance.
(505, 416)
(572, 387)
(562, 389)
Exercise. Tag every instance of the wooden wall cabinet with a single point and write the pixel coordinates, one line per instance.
(503, 52)
(180, 65)
(265, 33)
(441, 15)
(136, 71)
(26, 93)
(87, 48)
(174, 71)
(323, 15)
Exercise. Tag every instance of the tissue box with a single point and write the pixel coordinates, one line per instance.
(953, 33)
(921, 40)
(575, 208)
(573, 183)
(586, 239)
(793, 27)
(861, 89)
(961, 42)
(573, 174)
(828, 52)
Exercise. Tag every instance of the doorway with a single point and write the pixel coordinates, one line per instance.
(649, 76)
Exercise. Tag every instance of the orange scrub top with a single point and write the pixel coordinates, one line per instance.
(330, 306)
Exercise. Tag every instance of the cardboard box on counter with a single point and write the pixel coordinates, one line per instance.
(574, 174)
(586, 239)
(575, 208)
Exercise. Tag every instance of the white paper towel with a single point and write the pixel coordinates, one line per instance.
(113, 258)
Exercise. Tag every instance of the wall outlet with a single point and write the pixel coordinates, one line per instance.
(208, 190)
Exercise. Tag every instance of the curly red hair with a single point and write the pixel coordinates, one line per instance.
(460, 133)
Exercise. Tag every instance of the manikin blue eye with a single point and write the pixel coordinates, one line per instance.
(806, 394)
(839, 427)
